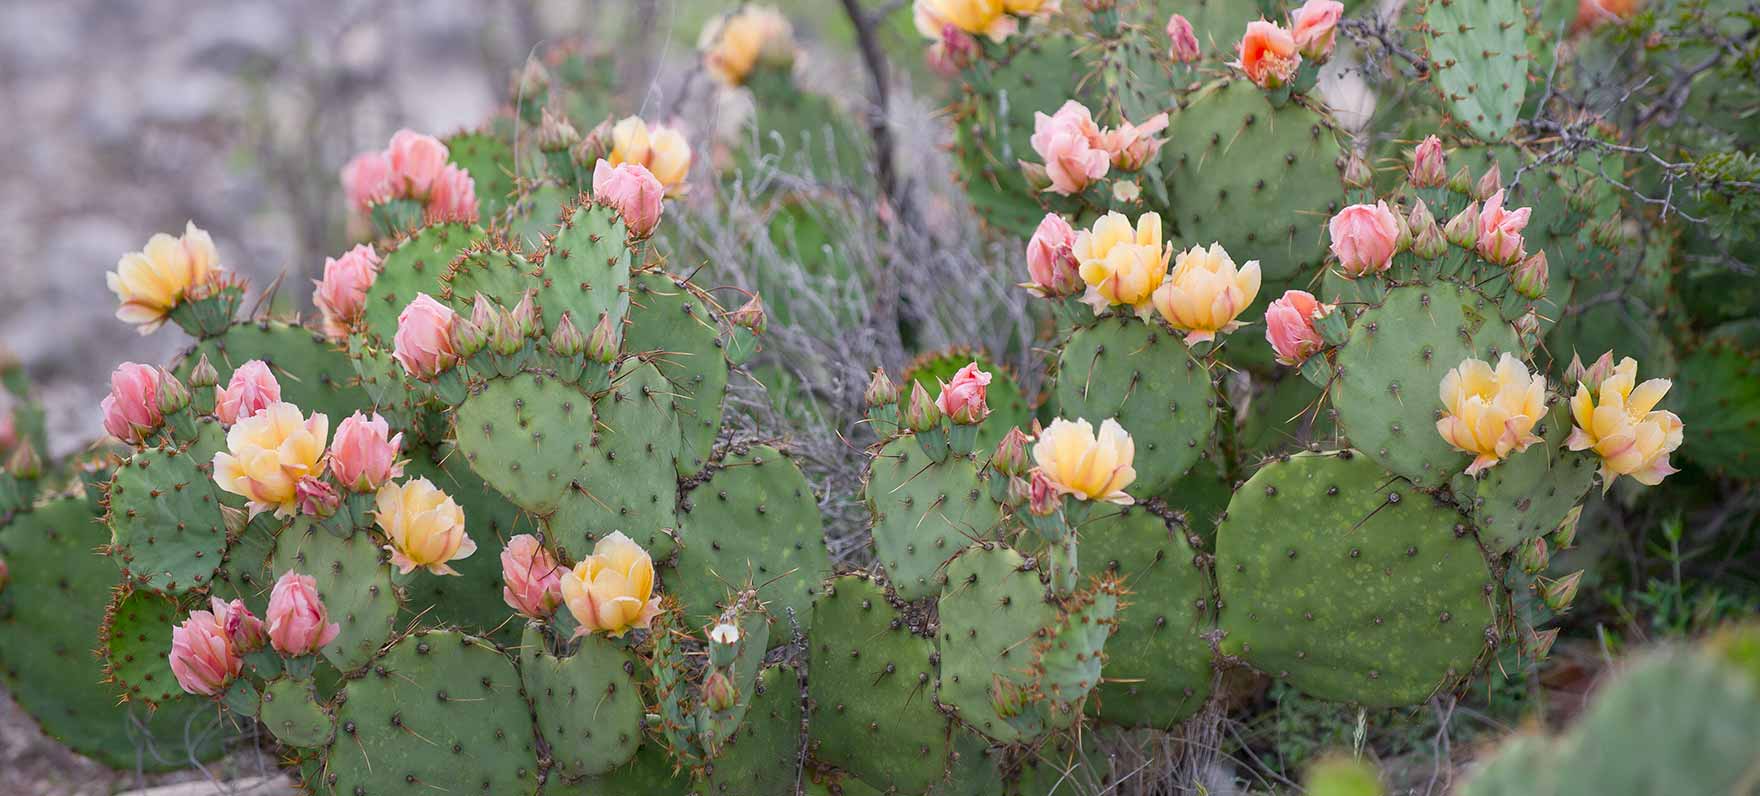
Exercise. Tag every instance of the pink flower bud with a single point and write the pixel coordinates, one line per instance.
(341, 295)
(881, 391)
(1289, 326)
(718, 691)
(1051, 260)
(1043, 496)
(751, 315)
(1463, 229)
(1069, 144)
(242, 627)
(1315, 28)
(1183, 41)
(1593, 375)
(8, 429)
(363, 453)
(1531, 277)
(316, 497)
(131, 411)
(1429, 165)
(451, 198)
(921, 414)
(416, 162)
(366, 181)
(1490, 183)
(953, 52)
(1011, 453)
(424, 337)
(1364, 238)
(251, 388)
(1133, 146)
(532, 577)
(631, 190)
(963, 399)
(298, 622)
(1500, 231)
(203, 658)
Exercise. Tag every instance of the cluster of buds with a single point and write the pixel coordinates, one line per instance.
(409, 183)
(949, 422)
(209, 649)
(1075, 152)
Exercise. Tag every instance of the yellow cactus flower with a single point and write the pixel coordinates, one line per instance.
(268, 453)
(425, 526)
(732, 44)
(1491, 413)
(150, 282)
(1624, 427)
(1206, 292)
(661, 150)
(976, 17)
(612, 590)
(1078, 463)
(1122, 265)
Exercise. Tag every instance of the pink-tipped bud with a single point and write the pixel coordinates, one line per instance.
(718, 692)
(531, 577)
(1559, 594)
(631, 190)
(1357, 173)
(881, 391)
(203, 658)
(484, 313)
(1037, 176)
(341, 296)
(1051, 260)
(1566, 533)
(921, 414)
(1461, 182)
(566, 340)
(1182, 41)
(1427, 239)
(298, 622)
(316, 497)
(953, 52)
(363, 453)
(1593, 375)
(1532, 556)
(424, 338)
(1500, 231)
(506, 337)
(1011, 453)
(252, 387)
(1429, 164)
(173, 396)
(1043, 497)
(1491, 182)
(24, 463)
(242, 627)
(1531, 277)
(963, 400)
(555, 133)
(467, 337)
(751, 315)
(131, 410)
(203, 375)
(1403, 240)
(1290, 326)
(525, 316)
(1540, 643)
(1463, 229)
(1364, 238)
(603, 343)
(595, 146)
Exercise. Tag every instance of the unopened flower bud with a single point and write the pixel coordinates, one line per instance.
(1528, 325)
(24, 463)
(602, 344)
(1530, 277)
(508, 336)
(1357, 173)
(881, 391)
(594, 146)
(922, 414)
(317, 498)
(1559, 593)
(1489, 184)
(751, 315)
(1011, 453)
(1427, 241)
(1429, 167)
(718, 692)
(1540, 642)
(467, 337)
(1593, 375)
(1566, 533)
(1403, 240)
(1533, 556)
(1037, 177)
(555, 133)
(203, 375)
(525, 316)
(173, 396)
(531, 81)
(1463, 229)
(1461, 182)
(1042, 495)
(567, 341)
(1006, 696)
(483, 313)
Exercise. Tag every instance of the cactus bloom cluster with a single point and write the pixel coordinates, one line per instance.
(660, 149)
(993, 19)
(1076, 152)
(413, 166)
(1618, 420)
(1491, 413)
(151, 282)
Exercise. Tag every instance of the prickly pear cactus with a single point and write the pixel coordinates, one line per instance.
(924, 511)
(1478, 52)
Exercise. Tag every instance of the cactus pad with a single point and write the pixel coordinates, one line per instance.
(1067, 662)
(439, 710)
(1479, 60)
(628, 482)
(586, 269)
(355, 586)
(414, 265)
(1351, 584)
(472, 599)
(993, 126)
(167, 530)
(924, 512)
(495, 269)
(491, 165)
(673, 326)
(588, 709)
(1390, 374)
(993, 615)
(873, 689)
(314, 375)
(764, 756)
(135, 641)
(1720, 387)
(527, 436)
(293, 713)
(754, 522)
(1527, 494)
(244, 572)
(1140, 374)
(1158, 662)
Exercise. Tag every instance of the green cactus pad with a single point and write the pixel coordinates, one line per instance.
(651, 771)
(314, 375)
(1479, 61)
(413, 265)
(754, 523)
(1067, 662)
(491, 165)
(1351, 584)
(472, 599)
(244, 573)
(1387, 393)
(628, 483)
(1142, 375)
(355, 586)
(588, 709)
(135, 641)
(993, 614)
(1158, 662)
(59, 589)
(586, 269)
(924, 512)
(439, 710)
(1008, 406)
(294, 714)
(1269, 211)
(493, 268)
(534, 213)
(1527, 494)
(1720, 395)
(166, 527)
(673, 325)
(764, 756)
(528, 437)
(873, 690)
